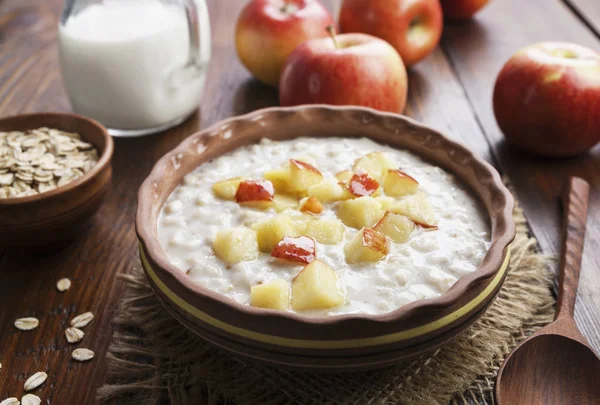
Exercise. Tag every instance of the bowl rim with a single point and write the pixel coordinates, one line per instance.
(103, 159)
(490, 266)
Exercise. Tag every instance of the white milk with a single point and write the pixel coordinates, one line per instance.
(123, 62)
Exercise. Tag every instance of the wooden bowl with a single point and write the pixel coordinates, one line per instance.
(53, 219)
(329, 343)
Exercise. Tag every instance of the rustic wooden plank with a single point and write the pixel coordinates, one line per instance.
(478, 55)
(589, 11)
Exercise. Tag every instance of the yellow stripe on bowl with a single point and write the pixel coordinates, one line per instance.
(324, 344)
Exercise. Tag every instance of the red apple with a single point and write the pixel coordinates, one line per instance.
(268, 31)
(547, 99)
(355, 69)
(458, 10)
(413, 27)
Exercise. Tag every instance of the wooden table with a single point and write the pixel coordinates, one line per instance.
(451, 90)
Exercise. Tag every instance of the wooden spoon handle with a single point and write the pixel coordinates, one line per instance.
(575, 206)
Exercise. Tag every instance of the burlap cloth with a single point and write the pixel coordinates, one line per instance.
(154, 360)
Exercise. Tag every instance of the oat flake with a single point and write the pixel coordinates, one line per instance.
(63, 284)
(31, 399)
(10, 401)
(82, 354)
(27, 323)
(35, 381)
(74, 335)
(82, 320)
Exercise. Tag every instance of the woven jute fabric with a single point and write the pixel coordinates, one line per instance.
(154, 360)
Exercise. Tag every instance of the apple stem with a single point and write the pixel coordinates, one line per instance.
(331, 30)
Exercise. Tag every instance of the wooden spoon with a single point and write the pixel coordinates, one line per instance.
(556, 365)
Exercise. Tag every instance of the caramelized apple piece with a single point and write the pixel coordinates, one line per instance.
(235, 245)
(360, 212)
(325, 231)
(417, 208)
(344, 175)
(361, 184)
(398, 183)
(376, 164)
(280, 179)
(272, 295)
(311, 204)
(397, 227)
(301, 249)
(368, 245)
(329, 190)
(272, 230)
(303, 175)
(282, 202)
(255, 193)
(316, 287)
(226, 189)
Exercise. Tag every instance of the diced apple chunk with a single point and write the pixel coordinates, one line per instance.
(272, 230)
(397, 227)
(397, 183)
(303, 175)
(301, 249)
(280, 178)
(376, 164)
(361, 184)
(255, 193)
(325, 231)
(316, 287)
(386, 202)
(417, 208)
(368, 245)
(344, 175)
(360, 212)
(300, 222)
(329, 191)
(282, 202)
(311, 204)
(226, 189)
(306, 159)
(236, 245)
(272, 295)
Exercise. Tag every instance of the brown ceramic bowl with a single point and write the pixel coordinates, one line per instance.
(54, 218)
(332, 343)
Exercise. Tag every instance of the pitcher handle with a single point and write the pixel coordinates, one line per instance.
(195, 55)
(199, 44)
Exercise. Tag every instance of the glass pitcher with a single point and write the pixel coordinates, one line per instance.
(137, 66)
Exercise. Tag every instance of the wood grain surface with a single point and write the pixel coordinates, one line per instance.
(451, 91)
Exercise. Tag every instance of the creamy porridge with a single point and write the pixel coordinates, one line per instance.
(323, 226)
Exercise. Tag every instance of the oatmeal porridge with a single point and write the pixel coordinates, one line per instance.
(323, 226)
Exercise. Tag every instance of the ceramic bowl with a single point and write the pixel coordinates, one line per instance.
(328, 343)
(53, 219)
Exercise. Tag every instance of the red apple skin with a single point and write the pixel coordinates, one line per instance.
(266, 34)
(413, 27)
(460, 10)
(362, 70)
(547, 103)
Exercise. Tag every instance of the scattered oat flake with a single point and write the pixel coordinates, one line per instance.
(10, 401)
(35, 380)
(31, 399)
(82, 354)
(82, 320)
(27, 323)
(63, 284)
(74, 335)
